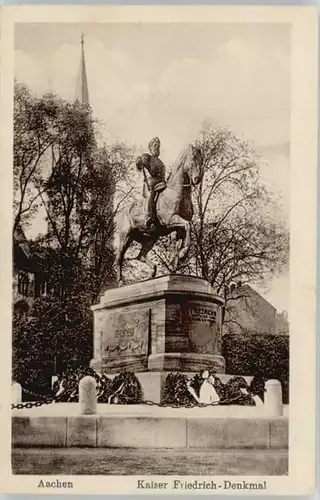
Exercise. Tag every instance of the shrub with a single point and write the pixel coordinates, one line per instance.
(262, 356)
(46, 343)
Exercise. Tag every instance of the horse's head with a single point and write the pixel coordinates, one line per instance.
(194, 165)
(188, 169)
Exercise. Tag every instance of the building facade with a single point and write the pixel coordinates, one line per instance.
(249, 313)
(282, 323)
(28, 281)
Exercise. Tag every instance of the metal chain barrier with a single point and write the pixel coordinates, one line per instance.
(20, 406)
(193, 405)
(37, 404)
(31, 404)
(127, 400)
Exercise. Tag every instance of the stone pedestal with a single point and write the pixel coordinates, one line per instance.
(167, 324)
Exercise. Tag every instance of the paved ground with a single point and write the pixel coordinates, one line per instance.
(98, 461)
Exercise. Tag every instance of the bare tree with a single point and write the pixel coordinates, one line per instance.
(112, 163)
(236, 234)
(80, 199)
(34, 134)
(81, 187)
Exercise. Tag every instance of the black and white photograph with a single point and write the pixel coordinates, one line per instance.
(154, 249)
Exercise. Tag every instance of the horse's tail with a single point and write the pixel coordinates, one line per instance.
(125, 238)
(129, 214)
(125, 214)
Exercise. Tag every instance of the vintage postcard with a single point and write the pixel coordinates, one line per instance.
(158, 270)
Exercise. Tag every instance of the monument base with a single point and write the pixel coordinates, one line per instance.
(170, 323)
(166, 362)
(152, 384)
(124, 363)
(186, 362)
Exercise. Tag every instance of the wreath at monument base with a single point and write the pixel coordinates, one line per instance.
(176, 389)
(179, 390)
(124, 388)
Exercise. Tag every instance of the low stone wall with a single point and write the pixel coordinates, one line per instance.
(153, 411)
(149, 432)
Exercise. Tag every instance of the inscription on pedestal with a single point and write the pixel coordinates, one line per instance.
(203, 331)
(192, 326)
(203, 315)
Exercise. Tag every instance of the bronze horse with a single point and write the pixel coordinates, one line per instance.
(174, 212)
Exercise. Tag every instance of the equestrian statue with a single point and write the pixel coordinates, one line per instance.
(165, 207)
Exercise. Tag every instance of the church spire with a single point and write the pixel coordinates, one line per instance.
(82, 93)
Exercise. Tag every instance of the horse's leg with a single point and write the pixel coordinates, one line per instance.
(178, 245)
(186, 242)
(183, 230)
(142, 257)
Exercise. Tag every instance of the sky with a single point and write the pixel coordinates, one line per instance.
(166, 79)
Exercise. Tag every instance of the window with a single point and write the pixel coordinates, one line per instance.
(23, 283)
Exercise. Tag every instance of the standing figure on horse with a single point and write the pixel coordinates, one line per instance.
(154, 173)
